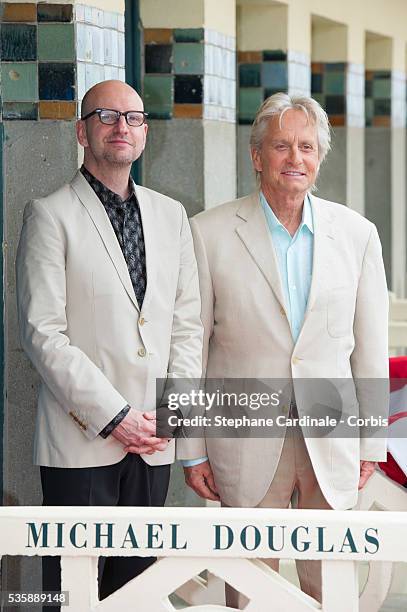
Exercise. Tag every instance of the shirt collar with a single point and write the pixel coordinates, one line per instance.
(274, 223)
(104, 193)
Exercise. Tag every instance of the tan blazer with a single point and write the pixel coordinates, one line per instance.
(247, 334)
(82, 327)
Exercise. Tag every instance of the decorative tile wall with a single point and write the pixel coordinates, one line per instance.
(261, 73)
(378, 99)
(398, 99)
(328, 87)
(189, 73)
(37, 61)
(51, 54)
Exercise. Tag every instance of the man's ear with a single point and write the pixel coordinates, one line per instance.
(256, 159)
(81, 133)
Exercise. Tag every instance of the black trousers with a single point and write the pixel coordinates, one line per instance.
(131, 482)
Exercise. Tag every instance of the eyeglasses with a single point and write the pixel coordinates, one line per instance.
(110, 117)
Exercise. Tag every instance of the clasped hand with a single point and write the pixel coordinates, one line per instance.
(137, 433)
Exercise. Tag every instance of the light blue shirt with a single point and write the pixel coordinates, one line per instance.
(294, 258)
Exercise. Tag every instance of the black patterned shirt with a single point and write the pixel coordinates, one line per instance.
(124, 215)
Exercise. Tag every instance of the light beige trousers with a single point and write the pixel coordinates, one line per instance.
(294, 482)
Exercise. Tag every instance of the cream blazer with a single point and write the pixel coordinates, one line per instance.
(80, 324)
(247, 334)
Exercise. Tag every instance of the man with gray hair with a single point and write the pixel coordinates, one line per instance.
(293, 287)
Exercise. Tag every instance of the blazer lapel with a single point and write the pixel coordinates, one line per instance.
(323, 240)
(147, 212)
(102, 223)
(255, 234)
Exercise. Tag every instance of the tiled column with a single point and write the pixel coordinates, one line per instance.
(378, 141)
(189, 93)
(266, 65)
(50, 53)
(398, 175)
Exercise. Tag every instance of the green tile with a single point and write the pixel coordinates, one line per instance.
(334, 83)
(19, 82)
(158, 95)
(369, 110)
(381, 88)
(188, 58)
(189, 35)
(56, 42)
(249, 102)
(250, 75)
(20, 110)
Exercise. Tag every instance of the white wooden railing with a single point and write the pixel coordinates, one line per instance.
(191, 540)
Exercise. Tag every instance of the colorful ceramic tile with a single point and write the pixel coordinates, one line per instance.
(274, 56)
(381, 121)
(249, 57)
(316, 83)
(249, 102)
(270, 91)
(26, 11)
(158, 36)
(317, 67)
(250, 75)
(189, 35)
(369, 111)
(274, 75)
(56, 81)
(335, 67)
(334, 83)
(19, 82)
(381, 87)
(320, 98)
(381, 106)
(188, 58)
(54, 12)
(335, 105)
(368, 89)
(158, 59)
(18, 42)
(57, 110)
(188, 90)
(56, 42)
(24, 111)
(188, 111)
(158, 96)
(337, 120)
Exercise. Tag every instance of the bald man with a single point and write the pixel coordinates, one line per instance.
(108, 301)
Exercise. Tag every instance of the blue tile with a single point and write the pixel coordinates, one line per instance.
(274, 56)
(250, 75)
(316, 83)
(18, 42)
(335, 66)
(274, 75)
(382, 107)
(188, 90)
(56, 81)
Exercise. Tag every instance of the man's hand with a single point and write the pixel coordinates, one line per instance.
(366, 470)
(137, 434)
(200, 479)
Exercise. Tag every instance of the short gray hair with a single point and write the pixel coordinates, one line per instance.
(280, 103)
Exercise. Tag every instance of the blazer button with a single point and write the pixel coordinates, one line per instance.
(282, 311)
(142, 352)
(295, 360)
(141, 321)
